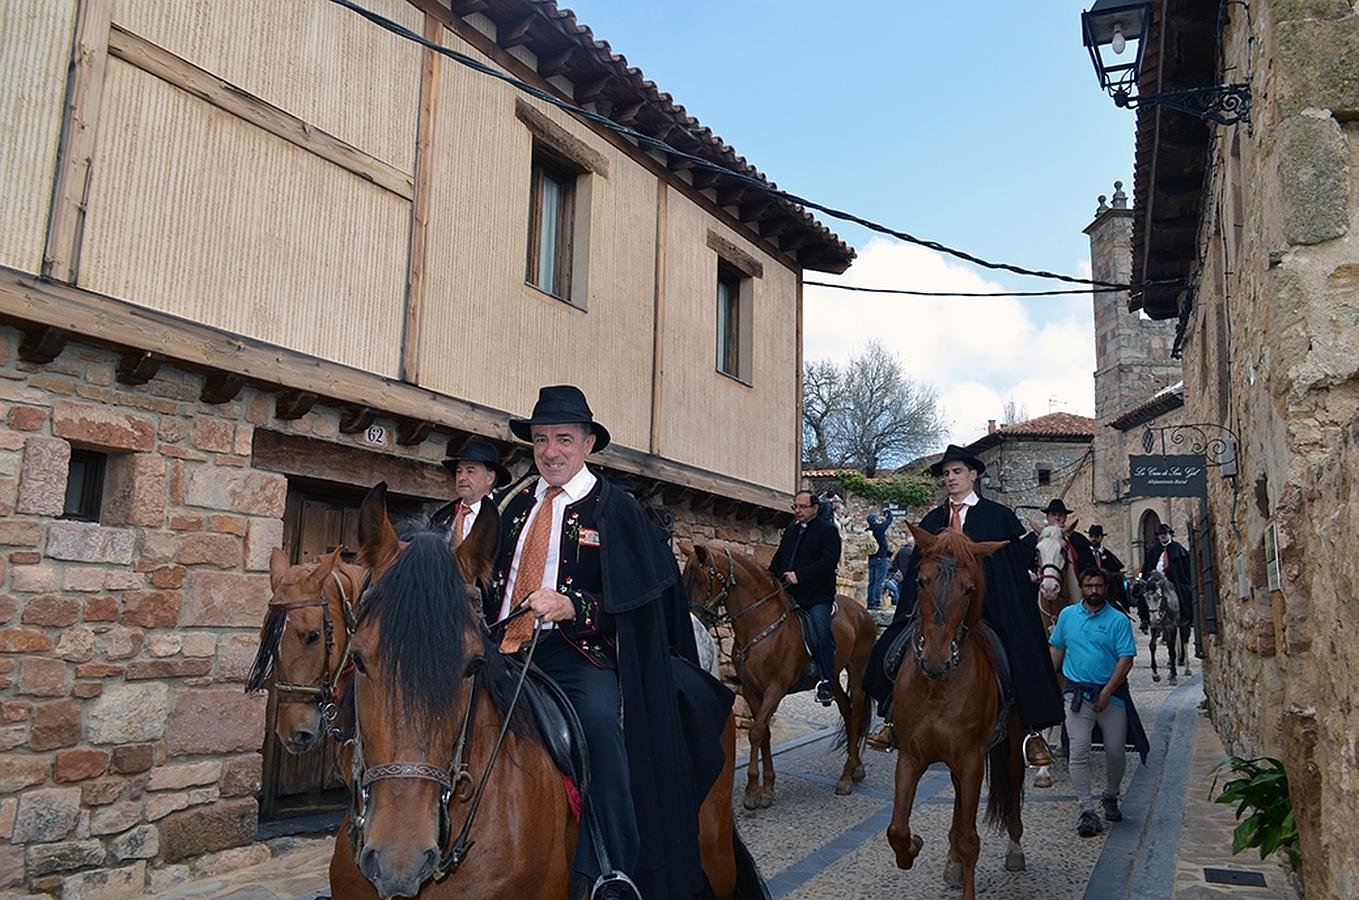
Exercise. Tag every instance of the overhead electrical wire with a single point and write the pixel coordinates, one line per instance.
(705, 164)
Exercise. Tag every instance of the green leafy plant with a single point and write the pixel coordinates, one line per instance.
(1261, 788)
(903, 490)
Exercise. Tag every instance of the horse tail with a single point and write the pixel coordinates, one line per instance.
(1006, 792)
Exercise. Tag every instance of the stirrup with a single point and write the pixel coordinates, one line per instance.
(884, 739)
(615, 885)
(1044, 751)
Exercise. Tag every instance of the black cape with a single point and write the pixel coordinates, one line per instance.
(1011, 608)
(669, 776)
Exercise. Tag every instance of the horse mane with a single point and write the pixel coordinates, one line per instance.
(425, 617)
(266, 657)
(956, 546)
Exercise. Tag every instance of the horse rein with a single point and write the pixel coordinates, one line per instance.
(728, 583)
(955, 647)
(324, 692)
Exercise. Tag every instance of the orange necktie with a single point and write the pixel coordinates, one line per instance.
(532, 562)
(955, 522)
(458, 519)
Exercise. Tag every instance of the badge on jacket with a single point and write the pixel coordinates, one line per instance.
(589, 537)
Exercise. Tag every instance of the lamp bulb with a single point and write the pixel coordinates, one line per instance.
(1119, 43)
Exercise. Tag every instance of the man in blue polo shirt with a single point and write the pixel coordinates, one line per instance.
(1092, 650)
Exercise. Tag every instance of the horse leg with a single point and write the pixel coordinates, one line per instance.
(767, 750)
(904, 844)
(1172, 640)
(763, 790)
(716, 825)
(753, 734)
(853, 708)
(1155, 673)
(964, 844)
(1014, 854)
(1184, 649)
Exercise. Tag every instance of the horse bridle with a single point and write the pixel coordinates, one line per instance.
(1057, 574)
(458, 775)
(325, 690)
(955, 647)
(708, 610)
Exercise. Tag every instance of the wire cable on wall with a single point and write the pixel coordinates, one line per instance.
(699, 162)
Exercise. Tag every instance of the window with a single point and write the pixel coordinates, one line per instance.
(1044, 475)
(84, 485)
(728, 321)
(552, 213)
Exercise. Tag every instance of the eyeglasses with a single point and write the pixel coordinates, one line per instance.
(803, 505)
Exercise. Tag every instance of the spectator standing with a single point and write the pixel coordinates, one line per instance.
(880, 558)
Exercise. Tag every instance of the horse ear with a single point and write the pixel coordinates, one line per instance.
(923, 539)
(278, 567)
(476, 553)
(1037, 529)
(700, 553)
(1072, 527)
(377, 539)
(686, 549)
(325, 564)
(986, 548)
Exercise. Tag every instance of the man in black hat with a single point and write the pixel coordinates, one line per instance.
(476, 471)
(1098, 556)
(1057, 513)
(582, 554)
(1010, 606)
(1169, 557)
(805, 562)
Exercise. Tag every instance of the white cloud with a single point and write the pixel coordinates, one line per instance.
(977, 352)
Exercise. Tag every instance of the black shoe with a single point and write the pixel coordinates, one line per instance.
(1089, 824)
(824, 694)
(1111, 811)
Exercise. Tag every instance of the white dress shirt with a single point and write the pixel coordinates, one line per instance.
(573, 491)
(968, 502)
(468, 518)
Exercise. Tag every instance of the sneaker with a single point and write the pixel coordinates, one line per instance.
(1036, 750)
(824, 694)
(884, 739)
(1111, 811)
(1089, 824)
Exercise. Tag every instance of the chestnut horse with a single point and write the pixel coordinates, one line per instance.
(771, 659)
(436, 725)
(947, 707)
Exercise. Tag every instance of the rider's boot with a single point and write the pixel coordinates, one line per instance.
(1036, 751)
(884, 739)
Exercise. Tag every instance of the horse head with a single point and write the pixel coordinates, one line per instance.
(299, 645)
(1162, 603)
(418, 648)
(709, 578)
(951, 591)
(1051, 559)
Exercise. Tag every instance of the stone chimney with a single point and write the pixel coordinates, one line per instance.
(990, 426)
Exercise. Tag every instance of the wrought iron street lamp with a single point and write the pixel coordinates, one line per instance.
(1114, 32)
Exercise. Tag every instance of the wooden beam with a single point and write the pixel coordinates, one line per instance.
(187, 77)
(84, 97)
(457, 443)
(355, 419)
(411, 335)
(516, 33)
(723, 506)
(221, 387)
(294, 404)
(756, 208)
(138, 366)
(305, 457)
(705, 178)
(558, 63)
(410, 432)
(732, 194)
(43, 344)
(468, 7)
(109, 321)
(627, 115)
(593, 91)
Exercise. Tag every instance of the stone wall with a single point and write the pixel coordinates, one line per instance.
(1272, 348)
(1013, 466)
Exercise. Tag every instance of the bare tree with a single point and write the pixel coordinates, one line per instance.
(1012, 413)
(868, 415)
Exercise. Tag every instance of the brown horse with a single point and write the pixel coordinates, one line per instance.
(771, 658)
(436, 724)
(304, 644)
(946, 707)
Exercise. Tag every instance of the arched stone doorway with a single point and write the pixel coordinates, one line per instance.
(1146, 531)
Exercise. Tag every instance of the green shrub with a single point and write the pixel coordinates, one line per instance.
(1262, 789)
(902, 490)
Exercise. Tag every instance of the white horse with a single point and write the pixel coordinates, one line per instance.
(1166, 618)
(1058, 588)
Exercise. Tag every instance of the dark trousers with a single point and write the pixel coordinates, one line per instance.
(877, 574)
(825, 639)
(595, 695)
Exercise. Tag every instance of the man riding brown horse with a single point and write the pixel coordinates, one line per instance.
(1009, 605)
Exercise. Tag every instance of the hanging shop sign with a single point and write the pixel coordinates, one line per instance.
(1169, 476)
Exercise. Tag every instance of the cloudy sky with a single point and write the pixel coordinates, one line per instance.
(961, 123)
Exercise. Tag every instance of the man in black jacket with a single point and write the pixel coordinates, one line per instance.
(1096, 555)
(806, 562)
(1169, 557)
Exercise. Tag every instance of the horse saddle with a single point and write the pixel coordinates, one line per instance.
(896, 652)
(557, 725)
(810, 641)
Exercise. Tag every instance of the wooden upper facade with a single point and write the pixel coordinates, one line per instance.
(281, 191)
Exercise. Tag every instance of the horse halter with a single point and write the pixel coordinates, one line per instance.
(324, 691)
(955, 647)
(708, 613)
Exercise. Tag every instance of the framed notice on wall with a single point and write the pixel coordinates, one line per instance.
(1272, 569)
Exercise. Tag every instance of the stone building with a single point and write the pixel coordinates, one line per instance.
(255, 260)
(1258, 222)
(1139, 395)
(1029, 463)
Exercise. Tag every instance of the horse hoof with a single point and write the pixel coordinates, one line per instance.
(917, 844)
(1014, 861)
(844, 787)
(751, 803)
(766, 799)
(1171, 679)
(859, 774)
(1042, 779)
(953, 874)
(1156, 678)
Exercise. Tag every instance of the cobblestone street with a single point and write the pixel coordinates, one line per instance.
(812, 844)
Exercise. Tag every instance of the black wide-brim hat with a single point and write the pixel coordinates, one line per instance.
(954, 453)
(483, 452)
(1056, 506)
(560, 404)
(1096, 531)
(1164, 529)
